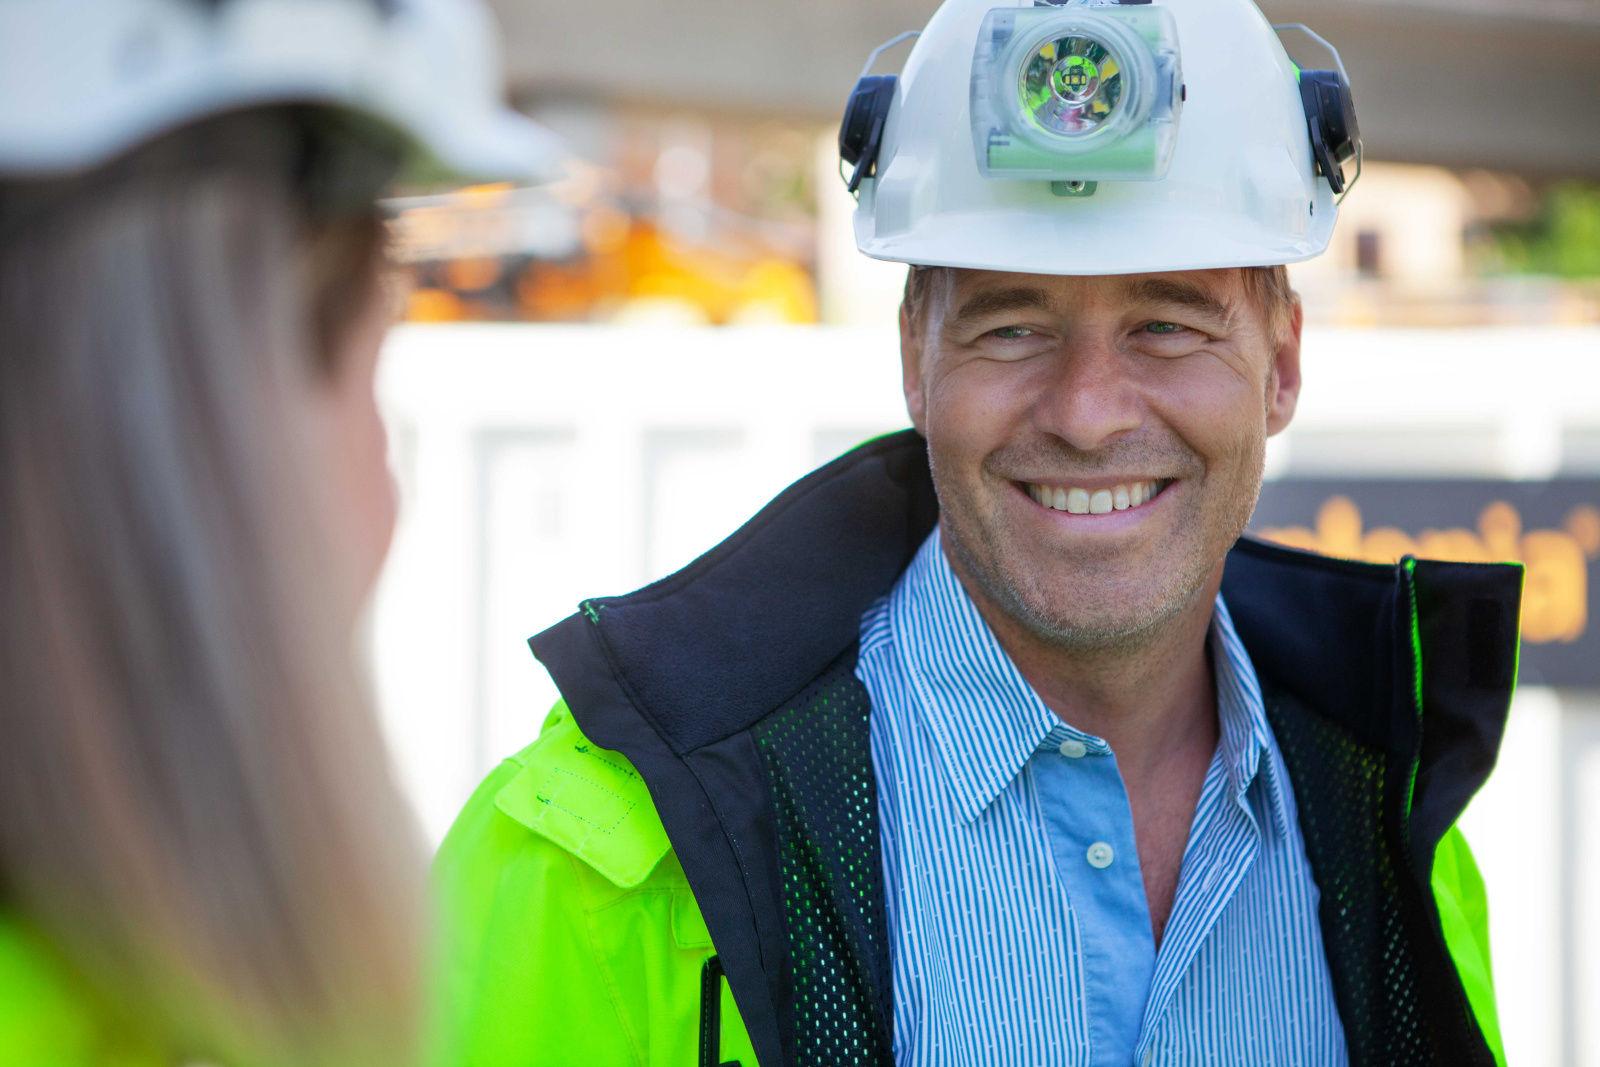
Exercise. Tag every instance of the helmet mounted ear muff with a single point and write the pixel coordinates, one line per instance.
(1330, 116)
(861, 132)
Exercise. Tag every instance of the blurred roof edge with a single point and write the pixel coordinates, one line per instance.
(1464, 83)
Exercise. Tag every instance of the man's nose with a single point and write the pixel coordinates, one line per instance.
(1088, 398)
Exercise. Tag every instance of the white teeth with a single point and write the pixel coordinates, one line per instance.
(1096, 502)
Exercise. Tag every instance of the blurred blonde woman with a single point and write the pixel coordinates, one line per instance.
(203, 856)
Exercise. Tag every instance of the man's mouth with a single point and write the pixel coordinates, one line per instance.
(1100, 501)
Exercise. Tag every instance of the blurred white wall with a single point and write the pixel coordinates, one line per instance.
(543, 464)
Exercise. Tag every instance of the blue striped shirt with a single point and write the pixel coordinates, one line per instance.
(1019, 932)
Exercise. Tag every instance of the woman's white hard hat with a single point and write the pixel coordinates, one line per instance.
(82, 81)
(1242, 185)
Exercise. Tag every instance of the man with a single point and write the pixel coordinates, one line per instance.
(991, 742)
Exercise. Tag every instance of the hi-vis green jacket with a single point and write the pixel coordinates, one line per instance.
(684, 869)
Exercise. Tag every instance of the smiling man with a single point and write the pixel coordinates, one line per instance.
(992, 742)
(1097, 447)
(1066, 725)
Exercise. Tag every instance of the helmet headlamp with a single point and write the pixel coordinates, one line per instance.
(1078, 94)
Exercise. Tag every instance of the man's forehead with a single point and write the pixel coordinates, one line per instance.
(972, 297)
(1224, 285)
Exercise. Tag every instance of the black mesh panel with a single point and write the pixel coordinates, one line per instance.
(818, 759)
(1399, 996)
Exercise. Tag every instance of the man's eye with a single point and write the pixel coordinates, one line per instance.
(1011, 333)
(1162, 327)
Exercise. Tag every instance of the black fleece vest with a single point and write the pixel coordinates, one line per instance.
(731, 687)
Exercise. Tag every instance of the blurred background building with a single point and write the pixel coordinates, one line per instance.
(601, 378)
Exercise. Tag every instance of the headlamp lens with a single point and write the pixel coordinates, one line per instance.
(1071, 86)
(1080, 92)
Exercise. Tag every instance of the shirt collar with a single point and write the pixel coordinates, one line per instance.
(987, 721)
(983, 716)
(1247, 745)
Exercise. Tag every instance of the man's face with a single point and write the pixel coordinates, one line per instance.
(1096, 443)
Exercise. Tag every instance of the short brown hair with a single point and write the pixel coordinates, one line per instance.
(1267, 287)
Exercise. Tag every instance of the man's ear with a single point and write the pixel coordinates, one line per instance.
(911, 355)
(1283, 381)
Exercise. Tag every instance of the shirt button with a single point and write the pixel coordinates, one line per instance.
(1100, 855)
(1074, 749)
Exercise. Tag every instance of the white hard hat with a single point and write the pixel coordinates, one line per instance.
(82, 81)
(1089, 137)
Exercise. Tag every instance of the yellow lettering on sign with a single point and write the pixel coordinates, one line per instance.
(1555, 598)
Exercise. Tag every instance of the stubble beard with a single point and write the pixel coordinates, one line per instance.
(978, 548)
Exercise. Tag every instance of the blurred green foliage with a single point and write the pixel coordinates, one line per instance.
(1563, 240)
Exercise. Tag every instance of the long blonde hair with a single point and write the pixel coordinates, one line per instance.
(196, 808)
